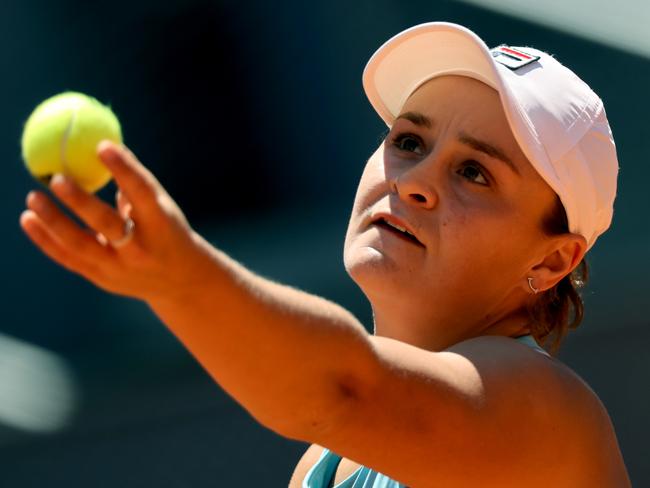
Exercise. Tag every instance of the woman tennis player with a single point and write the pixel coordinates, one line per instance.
(467, 236)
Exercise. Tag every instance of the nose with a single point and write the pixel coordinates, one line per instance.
(415, 188)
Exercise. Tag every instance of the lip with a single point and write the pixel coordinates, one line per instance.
(393, 219)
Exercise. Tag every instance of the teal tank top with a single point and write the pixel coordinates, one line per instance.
(321, 474)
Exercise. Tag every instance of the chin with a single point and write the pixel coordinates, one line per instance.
(373, 272)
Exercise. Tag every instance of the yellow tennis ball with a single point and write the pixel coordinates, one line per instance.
(61, 136)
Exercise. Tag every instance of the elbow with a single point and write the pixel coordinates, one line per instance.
(322, 398)
(335, 405)
(320, 422)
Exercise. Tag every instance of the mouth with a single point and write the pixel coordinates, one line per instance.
(397, 230)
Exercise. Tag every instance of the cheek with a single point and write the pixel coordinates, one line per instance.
(373, 178)
(372, 186)
(368, 191)
(473, 229)
(489, 245)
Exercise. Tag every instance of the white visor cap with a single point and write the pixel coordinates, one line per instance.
(558, 121)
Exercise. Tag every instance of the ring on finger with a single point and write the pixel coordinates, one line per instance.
(129, 229)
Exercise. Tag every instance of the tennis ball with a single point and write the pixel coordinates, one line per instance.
(61, 136)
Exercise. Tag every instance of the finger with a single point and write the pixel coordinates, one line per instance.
(38, 233)
(65, 231)
(137, 183)
(95, 213)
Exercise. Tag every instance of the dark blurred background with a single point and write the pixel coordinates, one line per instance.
(252, 114)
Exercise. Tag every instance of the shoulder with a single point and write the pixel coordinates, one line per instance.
(504, 358)
(489, 366)
(516, 368)
(490, 400)
(308, 459)
(570, 411)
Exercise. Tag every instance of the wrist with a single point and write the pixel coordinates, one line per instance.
(192, 274)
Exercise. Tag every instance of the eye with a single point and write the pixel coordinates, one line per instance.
(473, 172)
(408, 142)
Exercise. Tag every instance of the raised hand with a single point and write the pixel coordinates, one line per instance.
(162, 257)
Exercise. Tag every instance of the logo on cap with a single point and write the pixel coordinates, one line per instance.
(511, 57)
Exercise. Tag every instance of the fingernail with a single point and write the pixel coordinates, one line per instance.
(30, 197)
(57, 179)
(35, 202)
(106, 150)
(103, 144)
(62, 183)
(23, 216)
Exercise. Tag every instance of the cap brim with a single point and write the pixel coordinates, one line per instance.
(419, 54)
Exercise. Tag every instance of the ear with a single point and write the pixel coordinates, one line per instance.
(563, 254)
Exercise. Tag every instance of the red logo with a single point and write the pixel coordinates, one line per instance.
(513, 58)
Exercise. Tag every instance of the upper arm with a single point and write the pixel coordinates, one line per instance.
(488, 408)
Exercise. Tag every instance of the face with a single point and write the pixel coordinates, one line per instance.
(450, 172)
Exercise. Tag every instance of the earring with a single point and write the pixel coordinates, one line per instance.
(530, 285)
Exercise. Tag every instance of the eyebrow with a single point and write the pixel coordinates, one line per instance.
(417, 118)
(488, 149)
(482, 146)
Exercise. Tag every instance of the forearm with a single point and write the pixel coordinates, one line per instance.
(290, 358)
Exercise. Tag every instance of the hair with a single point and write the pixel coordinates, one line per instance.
(560, 308)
